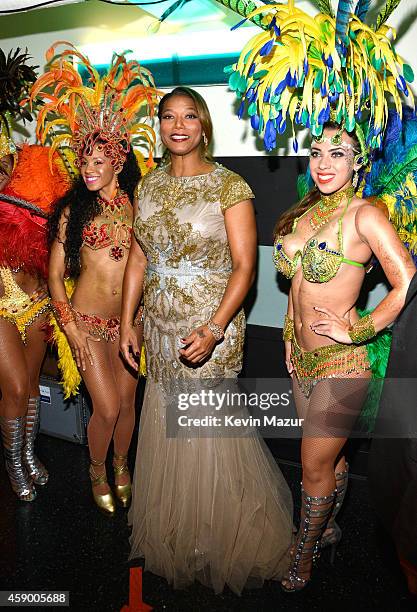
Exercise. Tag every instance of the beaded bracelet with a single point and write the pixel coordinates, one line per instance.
(216, 330)
(362, 330)
(288, 331)
(63, 312)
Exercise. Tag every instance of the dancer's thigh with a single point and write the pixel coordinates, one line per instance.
(335, 404)
(100, 379)
(14, 375)
(127, 377)
(35, 352)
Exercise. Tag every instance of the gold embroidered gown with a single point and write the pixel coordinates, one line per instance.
(217, 509)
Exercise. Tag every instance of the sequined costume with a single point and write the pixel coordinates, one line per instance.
(330, 361)
(213, 509)
(23, 245)
(17, 306)
(320, 264)
(114, 232)
(107, 329)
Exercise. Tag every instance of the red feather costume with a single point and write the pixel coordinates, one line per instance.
(23, 239)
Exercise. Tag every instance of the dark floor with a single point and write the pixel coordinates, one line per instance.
(61, 542)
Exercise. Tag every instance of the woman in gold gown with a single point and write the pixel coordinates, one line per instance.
(214, 509)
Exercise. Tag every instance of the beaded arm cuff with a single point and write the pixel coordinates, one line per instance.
(63, 312)
(216, 330)
(288, 331)
(362, 330)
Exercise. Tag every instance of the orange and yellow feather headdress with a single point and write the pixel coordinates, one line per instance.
(105, 112)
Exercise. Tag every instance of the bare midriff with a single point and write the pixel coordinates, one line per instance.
(99, 287)
(338, 295)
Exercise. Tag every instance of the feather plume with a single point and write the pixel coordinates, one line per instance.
(344, 10)
(16, 79)
(386, 12)
(304, 69)
(103, 109)
(23, 232)
(393, 176)
(362, 9)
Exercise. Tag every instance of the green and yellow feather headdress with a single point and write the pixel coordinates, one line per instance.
(303, 69)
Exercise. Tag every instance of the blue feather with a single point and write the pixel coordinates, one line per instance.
(397, 157)
(344, 10)
(362, 8)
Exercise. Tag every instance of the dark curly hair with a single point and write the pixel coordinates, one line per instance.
(83, 207)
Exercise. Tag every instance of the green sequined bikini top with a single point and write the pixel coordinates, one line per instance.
(320, 264)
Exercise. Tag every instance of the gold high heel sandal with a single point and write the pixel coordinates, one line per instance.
(104, 501)
(123, 492)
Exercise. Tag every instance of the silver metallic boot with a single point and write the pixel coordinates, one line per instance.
(36, 469)
(13, 432)
(333, 533)
(315, 512)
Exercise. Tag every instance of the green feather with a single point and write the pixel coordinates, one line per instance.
(386, 12)
(302, 186)
(324, 6)
(392, 177)
(378, 350)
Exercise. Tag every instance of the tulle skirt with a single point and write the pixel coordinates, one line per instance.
(216, 510)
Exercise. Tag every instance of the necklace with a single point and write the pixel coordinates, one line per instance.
(327, 205)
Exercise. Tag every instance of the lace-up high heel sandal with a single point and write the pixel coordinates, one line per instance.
(104, 501)
(35, 468)
(13, 433)
(333, 534)
(123, 492)
(315, 512)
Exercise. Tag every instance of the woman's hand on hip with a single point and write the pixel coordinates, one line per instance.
(129, 346)
(199, 345)
(332, 325)
(78, 340)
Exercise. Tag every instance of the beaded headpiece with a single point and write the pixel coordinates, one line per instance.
(16, 79)
(102, 113)
(302, 69)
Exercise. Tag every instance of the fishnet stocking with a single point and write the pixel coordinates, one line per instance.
(112, 390)
(329, 414)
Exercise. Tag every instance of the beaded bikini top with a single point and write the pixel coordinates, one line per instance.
(319, 263)
(114, 231)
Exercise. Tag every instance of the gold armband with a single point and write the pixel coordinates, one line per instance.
(288, 331)
(362, 330)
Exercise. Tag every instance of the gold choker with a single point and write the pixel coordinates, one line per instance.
(327, 205)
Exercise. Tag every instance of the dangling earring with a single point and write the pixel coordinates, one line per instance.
(117, 181)
(205, 140)
(355, 180)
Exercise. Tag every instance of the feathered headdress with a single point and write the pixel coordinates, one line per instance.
(15, 81)
(302, 69)
(393, 176)
(104, 112)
